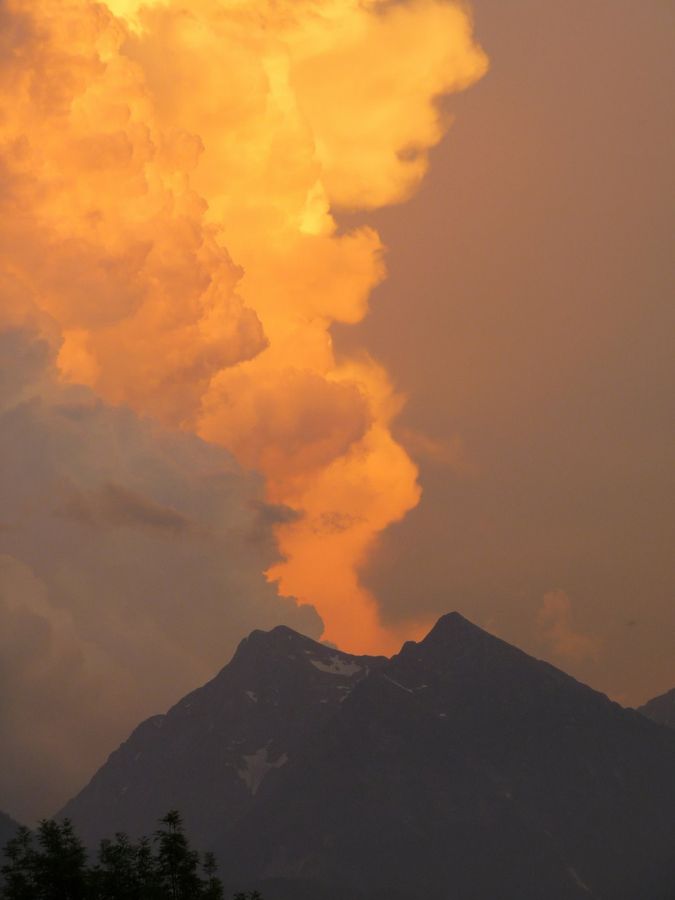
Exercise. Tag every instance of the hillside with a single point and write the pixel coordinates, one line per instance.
(661, 709)
(459, 768)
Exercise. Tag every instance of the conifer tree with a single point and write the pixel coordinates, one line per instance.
(19, 867)
(177, 863)
(213, 888)
(147, 872)
(115, 877)
(52, 865)
(58, 864)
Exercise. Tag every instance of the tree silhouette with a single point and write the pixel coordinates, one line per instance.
(51, 864)
(116, 875)
(19, 868)
(147, 872)
(178, 865)
(125, 871)
(213, 888)
(61, 862)
(54, 870)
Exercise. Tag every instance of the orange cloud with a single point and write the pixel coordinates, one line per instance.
(169, 176)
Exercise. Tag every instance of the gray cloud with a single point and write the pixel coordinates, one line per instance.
(117, 506)
(131, 562)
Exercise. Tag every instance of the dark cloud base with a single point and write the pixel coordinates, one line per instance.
(131, 563)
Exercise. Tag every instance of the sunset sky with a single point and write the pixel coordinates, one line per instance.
(276, 320)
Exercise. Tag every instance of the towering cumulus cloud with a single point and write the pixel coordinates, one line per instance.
(168, 177)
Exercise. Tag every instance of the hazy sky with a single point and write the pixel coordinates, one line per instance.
(170, 244)
(529, 313)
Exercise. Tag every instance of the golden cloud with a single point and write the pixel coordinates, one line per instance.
(169, 174)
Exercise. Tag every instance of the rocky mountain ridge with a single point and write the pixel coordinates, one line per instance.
(461, 767)
(8, 828)
(661, 709)
(209, 755)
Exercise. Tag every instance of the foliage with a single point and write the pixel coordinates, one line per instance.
(51, 864)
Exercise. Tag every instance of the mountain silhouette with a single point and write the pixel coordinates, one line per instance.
(209, 755)
(661, 709)
(8, 828)
(460, 768)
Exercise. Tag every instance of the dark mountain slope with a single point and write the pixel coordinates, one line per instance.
(464, 768)
(661, 709)
(8, 828)
(461, 769)
(210, 753)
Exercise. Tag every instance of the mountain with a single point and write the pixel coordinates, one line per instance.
(661, 709)
(8, 828)
(461, 768)
(209, 754)
(464, 768)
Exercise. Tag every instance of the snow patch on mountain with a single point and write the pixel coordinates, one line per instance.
(577, 880)
(255, 767)
(336, 666)
(399, 685)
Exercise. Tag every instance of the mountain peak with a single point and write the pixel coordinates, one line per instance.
(280, 639)
(460, 767)
(453, 632)
(661, 709)
(285, 633)
(475, 665)
(212, 751)
(284, 645)
(453, 623)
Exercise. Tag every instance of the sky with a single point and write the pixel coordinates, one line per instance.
(529, 316)
(284, 337)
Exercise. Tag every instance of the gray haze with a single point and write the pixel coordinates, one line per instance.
(529, 314)
(131, 563)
